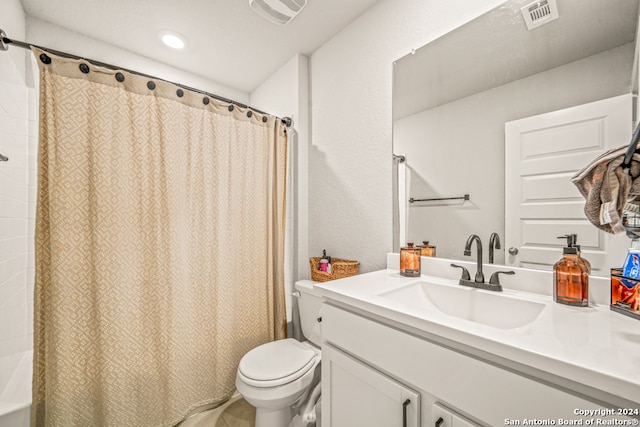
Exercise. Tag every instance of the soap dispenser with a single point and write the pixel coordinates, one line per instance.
(571, 276)
(584, 262)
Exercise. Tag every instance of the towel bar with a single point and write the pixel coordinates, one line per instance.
(465, 197)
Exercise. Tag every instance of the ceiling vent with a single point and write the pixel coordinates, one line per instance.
(539, 13)
(278, 11)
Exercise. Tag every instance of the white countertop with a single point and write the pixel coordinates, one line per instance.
(591, 345)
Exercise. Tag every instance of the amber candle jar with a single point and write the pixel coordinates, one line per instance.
(410, 261)
(427, 250)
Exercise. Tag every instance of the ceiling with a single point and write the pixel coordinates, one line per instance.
(497, 48)
(227, 41)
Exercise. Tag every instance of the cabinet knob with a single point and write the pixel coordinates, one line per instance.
(513, 251)
(319, 319)
(439, 421)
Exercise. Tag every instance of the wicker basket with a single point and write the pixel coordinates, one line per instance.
(340, 268)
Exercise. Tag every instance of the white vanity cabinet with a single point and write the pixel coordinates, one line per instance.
(363, 396)
(370, 368)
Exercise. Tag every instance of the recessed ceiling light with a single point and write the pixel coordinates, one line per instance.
(172, 39)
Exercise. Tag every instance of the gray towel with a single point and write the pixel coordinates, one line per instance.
(607, 188)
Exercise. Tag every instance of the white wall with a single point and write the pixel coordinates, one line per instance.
(350, 157)
(45, 34)
(18, 136)
(285, 94)
(12, 22)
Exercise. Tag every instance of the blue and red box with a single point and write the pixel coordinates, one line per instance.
(625, 294)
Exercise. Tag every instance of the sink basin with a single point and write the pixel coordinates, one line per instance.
(486, 307)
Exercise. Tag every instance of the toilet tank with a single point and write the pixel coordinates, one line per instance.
(309, 303)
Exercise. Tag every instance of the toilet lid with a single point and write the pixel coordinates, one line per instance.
(276, 363)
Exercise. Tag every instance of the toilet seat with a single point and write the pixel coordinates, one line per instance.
(277, 363)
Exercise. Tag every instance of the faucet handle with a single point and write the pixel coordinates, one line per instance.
(495, 279)
(465, 272)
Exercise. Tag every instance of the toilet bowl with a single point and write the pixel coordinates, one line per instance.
(276, 377)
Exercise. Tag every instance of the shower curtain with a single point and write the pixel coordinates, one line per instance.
(159, 246)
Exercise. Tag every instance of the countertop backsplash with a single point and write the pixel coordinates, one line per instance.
(525, 279)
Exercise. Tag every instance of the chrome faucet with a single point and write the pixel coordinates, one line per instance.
(494, 242)
(465, 280)
(467, 251)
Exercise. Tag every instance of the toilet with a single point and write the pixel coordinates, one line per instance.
(277, 377)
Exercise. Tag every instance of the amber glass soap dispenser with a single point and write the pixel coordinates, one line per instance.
(571, 276)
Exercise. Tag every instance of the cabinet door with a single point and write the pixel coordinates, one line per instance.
(355, 394)
(443, 417)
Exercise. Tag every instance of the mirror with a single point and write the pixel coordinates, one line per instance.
(453, 96)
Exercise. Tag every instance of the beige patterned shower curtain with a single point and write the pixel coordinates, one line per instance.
(159, 247)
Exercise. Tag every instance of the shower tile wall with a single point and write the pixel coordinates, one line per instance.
(18, 141)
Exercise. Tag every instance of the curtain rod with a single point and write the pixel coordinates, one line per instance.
(5, 42)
